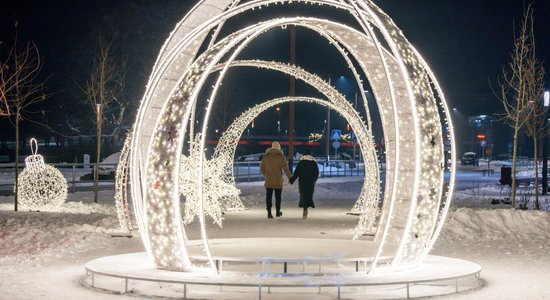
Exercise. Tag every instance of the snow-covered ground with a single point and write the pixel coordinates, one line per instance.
(42, 254)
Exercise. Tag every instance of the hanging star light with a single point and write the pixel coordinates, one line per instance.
(41, 186)
(215, 190)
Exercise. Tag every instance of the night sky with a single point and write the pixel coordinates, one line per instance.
(465, 43)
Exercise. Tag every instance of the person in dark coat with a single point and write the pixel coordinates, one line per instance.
(307, 173)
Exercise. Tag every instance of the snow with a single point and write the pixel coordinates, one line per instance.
(42, 254)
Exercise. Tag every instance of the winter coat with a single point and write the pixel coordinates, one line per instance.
(272, 165)
(307, 173)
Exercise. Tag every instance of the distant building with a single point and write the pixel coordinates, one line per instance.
(481, 137)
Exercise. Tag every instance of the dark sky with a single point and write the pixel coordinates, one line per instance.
(465, 43)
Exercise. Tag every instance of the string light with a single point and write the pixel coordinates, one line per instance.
(368, 198)
(219, 194)
(121, 187)
(413, 208)
(41, 186)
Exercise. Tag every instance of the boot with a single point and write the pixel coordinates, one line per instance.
(304, 214)
(279, 213)
(269, 215)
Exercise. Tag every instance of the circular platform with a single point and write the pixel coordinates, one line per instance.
(329, 254)
(250, 267)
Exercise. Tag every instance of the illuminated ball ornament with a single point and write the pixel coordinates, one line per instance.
(41, 186)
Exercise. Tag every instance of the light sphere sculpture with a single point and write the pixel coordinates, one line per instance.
(413, 113)
(41, 186)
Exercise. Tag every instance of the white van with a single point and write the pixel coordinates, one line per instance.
(108, 165)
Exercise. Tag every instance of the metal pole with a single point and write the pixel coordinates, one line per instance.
(546, 104)
(98, 151)
(74, 171)
(292, 93)
(545, 161)
(353, 140)
(327, 135)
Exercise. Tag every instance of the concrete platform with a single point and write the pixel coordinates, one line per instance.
(250, 267)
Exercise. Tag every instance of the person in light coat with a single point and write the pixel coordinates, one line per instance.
(272, 166)
(307, 173)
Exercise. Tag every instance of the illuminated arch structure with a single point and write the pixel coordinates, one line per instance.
(411, 104)
(369, 195)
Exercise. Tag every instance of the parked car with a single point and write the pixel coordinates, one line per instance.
(108, 165)
(251, 157)
(469, 158)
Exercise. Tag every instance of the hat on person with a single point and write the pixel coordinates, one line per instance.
(276, 145)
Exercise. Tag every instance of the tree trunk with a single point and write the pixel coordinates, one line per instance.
(16, 159)
(535, 159)
(98, 151)
(514, 154)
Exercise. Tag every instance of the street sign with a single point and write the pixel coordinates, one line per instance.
(336, 144)
(336, 135)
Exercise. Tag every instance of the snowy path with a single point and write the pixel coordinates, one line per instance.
(42, 254)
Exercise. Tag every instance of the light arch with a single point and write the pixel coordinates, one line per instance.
(407, 96)
(369, 195)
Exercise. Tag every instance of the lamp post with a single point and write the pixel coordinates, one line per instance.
(327, 135)
(278, 109)
(546, 99)
(98, 150)
(353, 139)
(292, 93)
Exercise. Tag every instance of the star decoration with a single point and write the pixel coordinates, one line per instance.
(215, 190)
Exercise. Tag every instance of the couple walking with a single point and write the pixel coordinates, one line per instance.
(273, 164)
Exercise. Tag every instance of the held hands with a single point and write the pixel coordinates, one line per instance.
(291, 180)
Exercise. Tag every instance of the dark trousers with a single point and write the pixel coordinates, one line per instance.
(269, 197)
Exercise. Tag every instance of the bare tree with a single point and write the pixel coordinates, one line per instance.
(20, 88)
(102, 89)
(534, 87)
(535, 128)
(518, 86)
(4, 88)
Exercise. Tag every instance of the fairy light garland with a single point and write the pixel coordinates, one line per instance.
(369, 195)
(218, 192)
(121, 187)
(41, 186)
(410, 113)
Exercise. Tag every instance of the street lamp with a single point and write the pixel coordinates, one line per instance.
(546, 103)
(99, 115)
(278, 109)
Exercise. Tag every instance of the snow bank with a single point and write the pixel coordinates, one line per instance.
(42, 253)
(77, 226)
(485, 225)
(491, 195)
(39, 236)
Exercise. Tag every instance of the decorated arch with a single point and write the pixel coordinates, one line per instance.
(412, 110)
